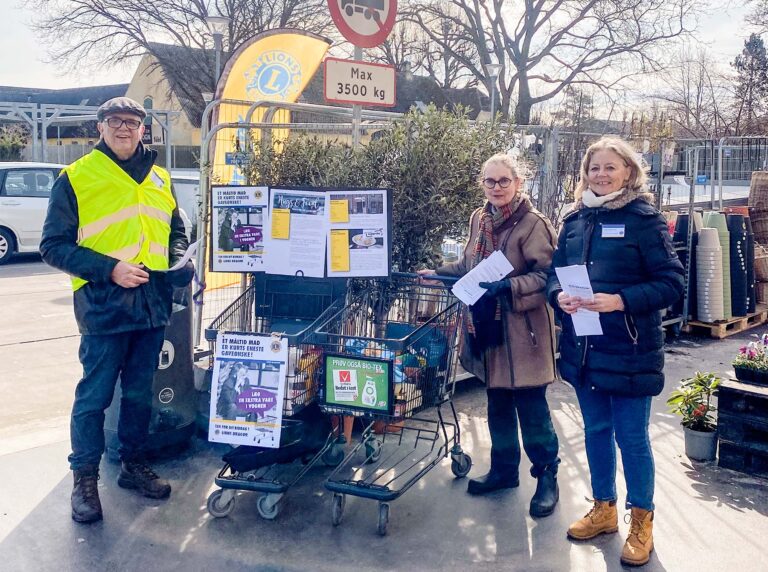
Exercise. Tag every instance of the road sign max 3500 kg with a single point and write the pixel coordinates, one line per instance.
(350, 81)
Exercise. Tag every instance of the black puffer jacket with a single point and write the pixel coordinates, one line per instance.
(101, 306)
(642, 267)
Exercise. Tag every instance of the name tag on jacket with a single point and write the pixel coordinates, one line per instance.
(613, 231)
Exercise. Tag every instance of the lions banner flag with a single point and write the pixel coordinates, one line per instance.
(272, 66)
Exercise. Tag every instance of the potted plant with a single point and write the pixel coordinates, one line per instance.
(751, 365)
(693, 402)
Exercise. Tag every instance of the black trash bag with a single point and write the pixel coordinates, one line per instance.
(303, 435)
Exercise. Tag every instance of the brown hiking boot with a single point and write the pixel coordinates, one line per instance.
(86, 506)
(140, 476)
(601, 519)
(639, 544)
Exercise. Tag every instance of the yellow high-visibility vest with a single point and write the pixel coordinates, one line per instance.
(120, 217)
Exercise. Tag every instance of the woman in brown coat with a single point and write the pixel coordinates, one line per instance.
(508, 338)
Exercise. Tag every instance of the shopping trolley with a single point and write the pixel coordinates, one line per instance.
(389, 355)
(293, 307)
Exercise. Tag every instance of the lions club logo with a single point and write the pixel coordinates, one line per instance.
(275, 74)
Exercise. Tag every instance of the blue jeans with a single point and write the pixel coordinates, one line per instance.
(132, 356)
(625, 420)
(528, 406)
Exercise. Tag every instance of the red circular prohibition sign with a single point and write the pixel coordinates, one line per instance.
(368, 12)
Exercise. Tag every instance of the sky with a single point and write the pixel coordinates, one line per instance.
(23, 53)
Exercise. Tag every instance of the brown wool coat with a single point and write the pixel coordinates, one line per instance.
(527, 359)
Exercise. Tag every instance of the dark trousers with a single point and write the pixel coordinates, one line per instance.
(528, 406)
(132, 356)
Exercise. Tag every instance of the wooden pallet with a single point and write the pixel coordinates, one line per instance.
(725, 328)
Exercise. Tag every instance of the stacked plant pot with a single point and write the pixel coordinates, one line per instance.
(737, 229)
(718, 221)
(681, 237)
(709, 276)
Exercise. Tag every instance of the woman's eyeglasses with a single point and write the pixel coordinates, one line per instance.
(117, 123)
(491, 183)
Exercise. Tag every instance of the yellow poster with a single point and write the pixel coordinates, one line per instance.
(339, 210)
(340, 250)
(281, 224)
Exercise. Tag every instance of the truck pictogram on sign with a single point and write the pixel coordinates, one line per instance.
(365, 23)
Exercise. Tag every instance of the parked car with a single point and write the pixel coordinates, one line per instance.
(24, 192)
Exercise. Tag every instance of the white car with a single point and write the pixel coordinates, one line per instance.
(24, 192)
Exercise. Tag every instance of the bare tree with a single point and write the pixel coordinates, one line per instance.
(544, 46)
(408, 47)
(696, 96)
(106, 32)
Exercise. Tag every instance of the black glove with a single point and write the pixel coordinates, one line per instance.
(493, 289)
(181, 277)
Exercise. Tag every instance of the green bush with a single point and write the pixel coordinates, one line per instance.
(13, 139)
(430, 160)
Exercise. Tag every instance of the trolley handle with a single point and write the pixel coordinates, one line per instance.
(444, 279)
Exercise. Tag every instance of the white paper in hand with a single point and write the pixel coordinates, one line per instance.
(574, 280)
(191, 251)
(495, 267)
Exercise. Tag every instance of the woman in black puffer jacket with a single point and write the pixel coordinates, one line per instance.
(622, 239)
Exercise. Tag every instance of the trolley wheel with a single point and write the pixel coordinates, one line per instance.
(267, 507)
(373, 449)
(383, 518)
(461, 465)
(334, 455)
(337, 508)
(216, 508)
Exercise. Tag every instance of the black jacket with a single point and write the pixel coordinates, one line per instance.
(101, 306)
(642, 267)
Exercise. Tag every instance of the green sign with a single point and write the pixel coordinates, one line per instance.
(358, 383)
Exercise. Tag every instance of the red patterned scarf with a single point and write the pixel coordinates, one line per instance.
(490, 221)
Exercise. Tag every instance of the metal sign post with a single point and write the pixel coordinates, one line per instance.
(366, 24)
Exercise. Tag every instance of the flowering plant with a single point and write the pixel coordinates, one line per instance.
(754, 355)
(693, 401)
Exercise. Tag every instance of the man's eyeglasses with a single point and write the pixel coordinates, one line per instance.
(504, 182)
(117, 123)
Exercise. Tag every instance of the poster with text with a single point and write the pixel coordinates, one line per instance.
(247, 390)
(362, 384)
(298, 228)
(240, 215)
(358, 234)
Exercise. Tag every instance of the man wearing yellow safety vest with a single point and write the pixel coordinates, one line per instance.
(113, 225)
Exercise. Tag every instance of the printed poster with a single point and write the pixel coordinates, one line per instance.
(296, 241)
(248, 389)
(359, 383)
(240, 217)
(358, 234)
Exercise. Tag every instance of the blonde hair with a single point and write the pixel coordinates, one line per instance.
(518, 168)
(637, 172)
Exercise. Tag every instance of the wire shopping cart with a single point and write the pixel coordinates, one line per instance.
(293, 307)
(389, 355)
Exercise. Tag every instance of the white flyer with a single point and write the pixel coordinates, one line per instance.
(240, 217)
(358, 234)
(248, 389)
(495, 267)
(574, 280)
(191, 251)
(297, 233)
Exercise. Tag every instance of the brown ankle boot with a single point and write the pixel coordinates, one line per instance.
(86, 506)
(639, 544)
(601, 519)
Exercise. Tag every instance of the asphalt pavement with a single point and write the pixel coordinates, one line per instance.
(707, 518)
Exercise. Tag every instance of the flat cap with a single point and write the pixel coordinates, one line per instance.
(120, 105)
